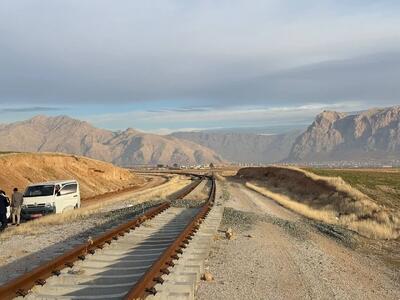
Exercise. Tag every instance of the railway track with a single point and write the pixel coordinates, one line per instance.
(126, 262)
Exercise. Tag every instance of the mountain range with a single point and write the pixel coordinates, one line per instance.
(333, 136)
(126, 148)
(245, 147)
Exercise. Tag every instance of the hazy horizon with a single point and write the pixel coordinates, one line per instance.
(271, 129)
(171, 66)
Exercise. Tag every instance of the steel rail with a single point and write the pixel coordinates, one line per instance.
(186, 190)
(21, 285)
(145, 286)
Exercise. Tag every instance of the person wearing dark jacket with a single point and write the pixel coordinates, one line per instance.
(4, 203)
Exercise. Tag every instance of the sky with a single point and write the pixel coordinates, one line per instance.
(163, 66)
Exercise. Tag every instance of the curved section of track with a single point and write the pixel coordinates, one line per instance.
(145, 285)
(124, 263)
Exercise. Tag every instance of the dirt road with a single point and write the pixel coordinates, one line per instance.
(283, 256)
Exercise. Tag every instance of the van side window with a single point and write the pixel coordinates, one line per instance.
(69, 189)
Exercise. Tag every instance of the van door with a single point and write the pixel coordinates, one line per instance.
(67, 197)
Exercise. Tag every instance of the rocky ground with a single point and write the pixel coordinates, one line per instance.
(276, 254)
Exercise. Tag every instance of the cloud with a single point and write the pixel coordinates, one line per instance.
(220, 117)
(208, 52)
(33, 109)
(166, 131)
(372, 78)
(183, 109)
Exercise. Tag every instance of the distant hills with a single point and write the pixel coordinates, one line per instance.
(245, 147)
(333, 136)
(125, 148)
(373, 134)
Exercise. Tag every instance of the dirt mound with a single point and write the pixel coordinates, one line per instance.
(95, 177)
(330, 196)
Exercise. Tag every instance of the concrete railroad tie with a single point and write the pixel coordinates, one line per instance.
(184, 277)
(112, 271)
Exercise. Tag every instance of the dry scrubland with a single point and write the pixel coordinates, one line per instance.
(327, 199)
(381, 185)
(95, 177)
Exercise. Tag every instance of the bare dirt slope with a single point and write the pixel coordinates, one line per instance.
(95, 177)
(328, 199)
(277, 254)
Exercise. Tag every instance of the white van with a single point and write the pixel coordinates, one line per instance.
(8, 213)
(50, 197)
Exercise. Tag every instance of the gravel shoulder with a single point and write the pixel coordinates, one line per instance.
(276, 254)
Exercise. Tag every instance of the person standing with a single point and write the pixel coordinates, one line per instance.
(16, 204)
(4, 203)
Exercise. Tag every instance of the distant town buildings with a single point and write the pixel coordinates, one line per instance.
(394, 163)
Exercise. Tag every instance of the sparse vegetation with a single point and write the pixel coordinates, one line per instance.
(381, 185)
(303, 209)
(223, 185)
(8, 152)
(327, 199)
(219, 177)
(225, 194)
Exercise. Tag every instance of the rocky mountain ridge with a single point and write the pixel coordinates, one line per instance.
(333, 136)
(338, 136)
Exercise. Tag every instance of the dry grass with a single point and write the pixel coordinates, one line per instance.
(303, 209)
(327, 199)
(337, 183)
(219, 177)
(368, 228)
(381, 185)
(41, 225)
(227, 172)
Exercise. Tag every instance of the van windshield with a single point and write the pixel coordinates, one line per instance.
(39, 190)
